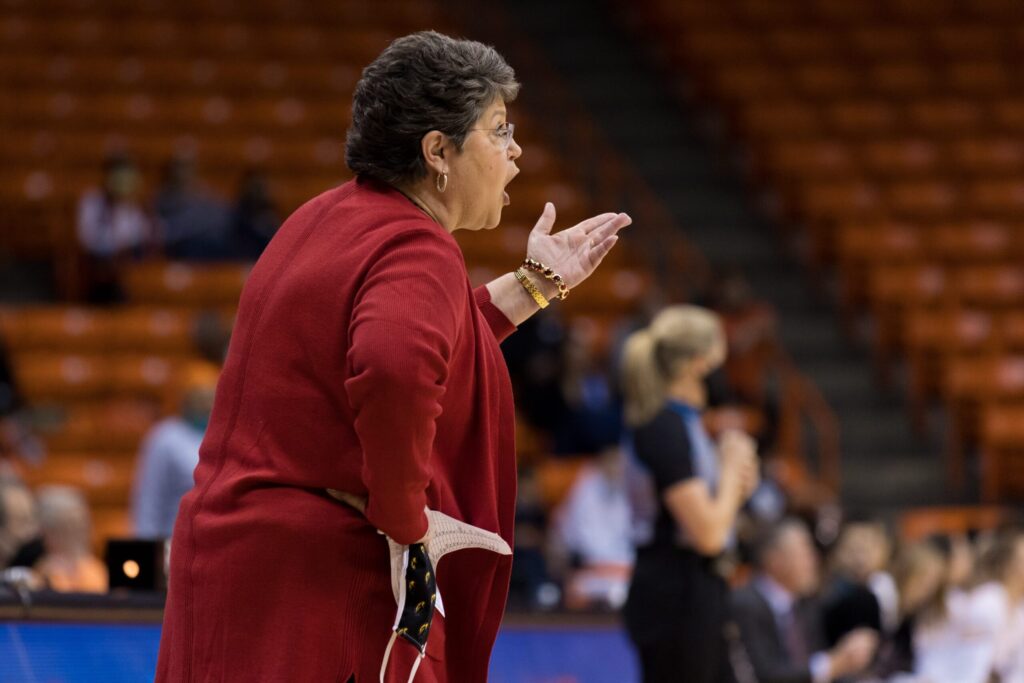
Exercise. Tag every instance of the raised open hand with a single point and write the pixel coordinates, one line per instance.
(574, 253)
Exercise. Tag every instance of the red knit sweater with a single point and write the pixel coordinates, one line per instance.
(361, 360)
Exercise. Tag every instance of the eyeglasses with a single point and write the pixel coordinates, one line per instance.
(504, 132)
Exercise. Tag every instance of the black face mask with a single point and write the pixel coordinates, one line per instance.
(417, 613)
(417, 597)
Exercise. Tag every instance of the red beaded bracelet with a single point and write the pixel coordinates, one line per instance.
(538, 267)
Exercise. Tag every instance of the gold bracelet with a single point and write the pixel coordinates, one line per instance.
(538, 267)
(528, 285)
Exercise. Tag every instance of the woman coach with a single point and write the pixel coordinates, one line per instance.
(362, 360)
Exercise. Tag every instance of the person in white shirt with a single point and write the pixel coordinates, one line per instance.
(170, 453)
(110, 219)
(112, 227)
(594, 525)
(982, 636)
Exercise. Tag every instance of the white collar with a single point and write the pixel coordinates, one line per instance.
(779, 599)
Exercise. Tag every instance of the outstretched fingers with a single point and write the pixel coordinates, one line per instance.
(610, 227)
(600, 249)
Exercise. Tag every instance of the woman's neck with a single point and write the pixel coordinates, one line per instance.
(689, 390)
(420, 195)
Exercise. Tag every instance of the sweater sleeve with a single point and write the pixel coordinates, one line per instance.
(404, 325)
(500, 325)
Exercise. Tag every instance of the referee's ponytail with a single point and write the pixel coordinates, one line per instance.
(652, 356)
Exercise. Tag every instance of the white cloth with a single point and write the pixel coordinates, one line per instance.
(883, 587)
(105, 229)
(163, 474)
(595, 521)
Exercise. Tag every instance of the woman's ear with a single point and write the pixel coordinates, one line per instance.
(432, 147)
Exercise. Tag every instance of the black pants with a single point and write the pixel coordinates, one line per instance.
(676, 616)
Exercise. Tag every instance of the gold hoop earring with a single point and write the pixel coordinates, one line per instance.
(442, 182)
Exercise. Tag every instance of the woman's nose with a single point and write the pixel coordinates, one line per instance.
(514, 150)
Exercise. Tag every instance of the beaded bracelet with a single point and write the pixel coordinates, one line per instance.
(528, 285)
(538, 267)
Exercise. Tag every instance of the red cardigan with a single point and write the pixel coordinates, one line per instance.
(362, 360)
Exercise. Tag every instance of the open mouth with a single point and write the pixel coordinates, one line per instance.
(506, 200)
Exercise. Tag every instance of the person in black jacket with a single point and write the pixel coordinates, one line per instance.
(687, 493)
(780, 622)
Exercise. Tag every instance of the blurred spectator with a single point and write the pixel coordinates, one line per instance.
(112, 227)
(779, 619)
(212, 335)
(534, 357)
(68, 564)
(194, 223)
(593, 526)
(593, 419)
(20, 544)
(170, 452)
(10, 397)
(531, 586)
(255, 218)
(921, 573)
(861, 593)
(996, 611)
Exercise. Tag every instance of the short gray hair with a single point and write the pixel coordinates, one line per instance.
(422, 82)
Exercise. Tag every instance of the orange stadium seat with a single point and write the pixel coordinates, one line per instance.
(900, 157)
(920, 523)
(59, 329)
(988, 156)
(863, 118)
(893, 291)
(945, 117)
(885, 41)
(933, 338)
(151, 378)
(110, 425)
(801, 45)
(181, 284)
(901, 80)
(970, 386)
(104, 480)
(779, 119)
(997, 198)
(60, 378)
(154, 330)
(922, 200)
(1002, 452)
(827, 81)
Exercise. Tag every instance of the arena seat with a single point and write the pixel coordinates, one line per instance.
(1002, 452)
(183, 284)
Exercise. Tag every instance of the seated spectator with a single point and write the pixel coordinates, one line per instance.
(194, 223)
(170, 452)
(112, 228)
(995, 610)
(861, 592)
(255, 219)
(921, 574)
(20, 544)
(593, 526)
(779, 620)
(68, 564)
(530, 584)
(593, 419)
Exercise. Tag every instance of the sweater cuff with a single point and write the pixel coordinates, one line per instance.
(403, 529)
(500, 325)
